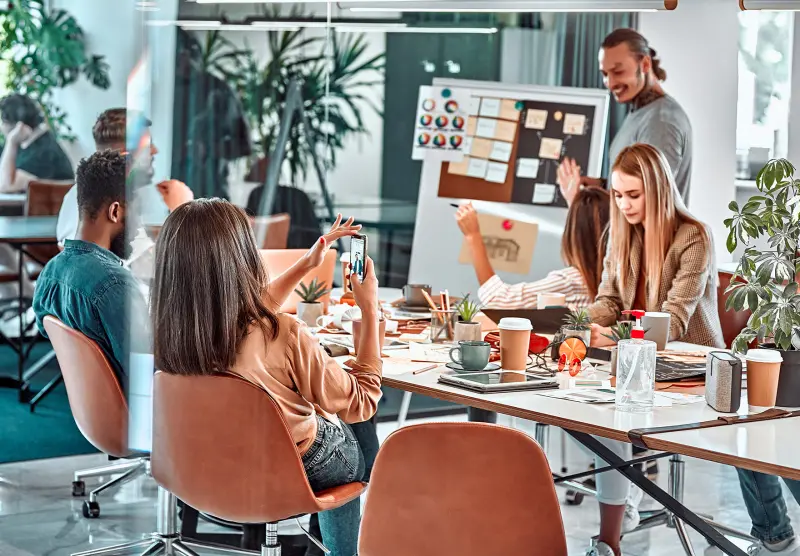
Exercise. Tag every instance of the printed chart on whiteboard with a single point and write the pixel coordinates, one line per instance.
(441, 122)
(513, 148)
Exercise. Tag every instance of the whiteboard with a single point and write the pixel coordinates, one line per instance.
(437, 239)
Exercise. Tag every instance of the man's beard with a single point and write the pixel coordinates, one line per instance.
(120, 245)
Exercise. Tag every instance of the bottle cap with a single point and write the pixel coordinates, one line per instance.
(637, 334)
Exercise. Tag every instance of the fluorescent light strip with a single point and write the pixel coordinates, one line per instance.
(508, 6)
(499, 10)
(438, 30)
(323, 25)
(770, 5)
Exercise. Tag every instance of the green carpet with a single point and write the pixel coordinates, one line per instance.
(49, 432)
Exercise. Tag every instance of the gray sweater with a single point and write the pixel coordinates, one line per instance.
(665, 125)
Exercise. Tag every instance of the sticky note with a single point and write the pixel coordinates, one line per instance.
(490, 107)
(459, 168)
(544, 194)
(472, 124)
(474, 106)
(550, 148)
(477, 168)
(501, 151)
(536, 119)
(508, 110)
(574, 124)
(496, 172)
(481, 148)
(486, 128)
(505, 131)
(528, 168)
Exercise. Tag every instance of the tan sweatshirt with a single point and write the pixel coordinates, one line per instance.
(304, 380)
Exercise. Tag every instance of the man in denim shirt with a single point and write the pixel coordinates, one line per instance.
(86, 286)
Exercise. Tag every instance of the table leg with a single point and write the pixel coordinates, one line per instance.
(475, 415)
(21, 312)
(679, 511)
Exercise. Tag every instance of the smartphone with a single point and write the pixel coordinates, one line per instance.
(358, 255)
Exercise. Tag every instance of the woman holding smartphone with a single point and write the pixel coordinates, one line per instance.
(583, 245)
(214, 311)
(660, 258)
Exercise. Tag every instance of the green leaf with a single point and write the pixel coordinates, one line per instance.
(733, 206)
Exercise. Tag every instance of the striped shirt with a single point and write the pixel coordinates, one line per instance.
(496, 294)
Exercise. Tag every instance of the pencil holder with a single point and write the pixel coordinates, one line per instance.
(443, 326)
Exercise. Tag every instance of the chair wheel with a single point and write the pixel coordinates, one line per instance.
(91, 509)
(574, 498)
(78, 488)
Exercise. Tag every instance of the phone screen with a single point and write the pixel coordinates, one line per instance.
(358, 255)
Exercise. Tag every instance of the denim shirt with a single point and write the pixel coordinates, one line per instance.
(87, 288)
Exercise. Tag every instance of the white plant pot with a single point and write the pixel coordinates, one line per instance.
(585, 335)
(309, 312)
(468, 332)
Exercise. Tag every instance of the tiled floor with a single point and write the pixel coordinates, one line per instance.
(39, 517)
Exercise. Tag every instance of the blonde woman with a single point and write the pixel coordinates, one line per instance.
(659, 258)
(583, 245)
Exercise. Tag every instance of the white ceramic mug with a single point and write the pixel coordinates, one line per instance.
(546, 300)
(656, 328)
(339, 314)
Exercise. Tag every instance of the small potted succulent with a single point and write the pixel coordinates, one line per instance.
(467, 329)
(578, 324)
(620, 331)
(309, 310)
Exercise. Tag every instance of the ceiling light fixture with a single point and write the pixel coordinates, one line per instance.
(770, 5)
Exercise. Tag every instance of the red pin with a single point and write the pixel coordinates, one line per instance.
(507, 225)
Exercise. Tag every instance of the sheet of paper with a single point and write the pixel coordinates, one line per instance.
(477, 168)
(459, 168)
(481, 148)
(434, 353)
(501, 151)
(496, 172)
(506, 131)
(508, 110)
(544, 194)
(509, 243)
(574, 124)
(536, 119)
(528, 168)
(490, 107)
(439, 130)
(486, 128)
(467, 148)
(474, 106)
(550, 148)
(472, 125)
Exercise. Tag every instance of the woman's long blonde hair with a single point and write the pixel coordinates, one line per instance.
(663, 215)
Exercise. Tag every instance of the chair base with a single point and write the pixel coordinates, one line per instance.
(127, 471)
(174, 546)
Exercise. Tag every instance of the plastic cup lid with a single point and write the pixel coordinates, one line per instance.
(513, 323)
(764, 356)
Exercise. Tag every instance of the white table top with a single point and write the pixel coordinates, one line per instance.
(767, 446)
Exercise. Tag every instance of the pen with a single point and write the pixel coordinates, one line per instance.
(454, 205)
(422, 370)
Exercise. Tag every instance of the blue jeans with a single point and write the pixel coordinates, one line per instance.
(339, 456)
(763, 498)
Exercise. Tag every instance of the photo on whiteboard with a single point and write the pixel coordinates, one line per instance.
(441, 122)
(550, 148)
(574, 124)
(536, 119)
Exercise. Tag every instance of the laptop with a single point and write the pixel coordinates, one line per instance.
(544, 321)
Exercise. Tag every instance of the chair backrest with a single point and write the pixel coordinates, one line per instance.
(45, 199)
(278, 261)
(95, 396)
(732, 321)
(221, 445)
(272, 232)
(461, 488)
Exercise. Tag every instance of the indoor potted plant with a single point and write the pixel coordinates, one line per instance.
(620, 331)
(467, 329)
(766, 280)
(310, 309)
(578, 323)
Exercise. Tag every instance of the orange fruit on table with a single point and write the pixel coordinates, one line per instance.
(573, 348)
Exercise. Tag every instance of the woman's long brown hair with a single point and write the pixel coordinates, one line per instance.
(209, 288)
(583, 244)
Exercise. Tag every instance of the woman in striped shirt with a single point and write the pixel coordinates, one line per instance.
(583, 246)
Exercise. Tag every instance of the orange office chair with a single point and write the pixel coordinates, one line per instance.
(98, 406)
(278, 261)
(221, 445)
(461, 488)
(272, 232)
(732, 322)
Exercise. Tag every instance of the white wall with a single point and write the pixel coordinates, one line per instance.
(698, 46)
(358, 169)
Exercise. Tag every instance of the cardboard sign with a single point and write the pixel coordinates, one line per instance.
(509, 243)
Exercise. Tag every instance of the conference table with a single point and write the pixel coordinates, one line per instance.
(749, 445)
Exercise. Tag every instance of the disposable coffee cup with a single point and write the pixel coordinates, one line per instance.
(763, 374)
(656, 328)
(515, 340)
(357, 334)
(546, 300)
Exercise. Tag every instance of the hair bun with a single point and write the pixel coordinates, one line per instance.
(653, 53)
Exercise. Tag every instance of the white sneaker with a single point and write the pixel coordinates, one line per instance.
(631, 519)
(600, 549)
(760, 550)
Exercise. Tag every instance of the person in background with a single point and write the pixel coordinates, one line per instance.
(110, 133)
(633, 73)
(207, 250)
(659, 258)
(764, 500)
(31, 151)
(583, 246)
